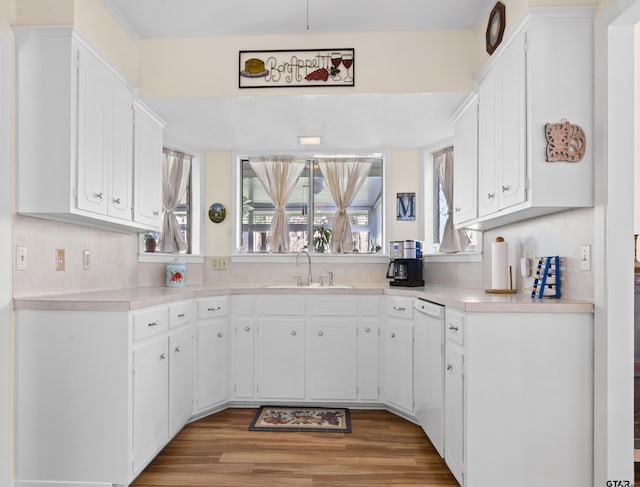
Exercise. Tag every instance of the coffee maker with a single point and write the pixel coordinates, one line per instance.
(405, 267)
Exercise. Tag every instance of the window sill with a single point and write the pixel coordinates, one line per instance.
(329, 259)
(169, 258)
(457, 257)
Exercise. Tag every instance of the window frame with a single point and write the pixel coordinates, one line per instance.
(197, 217)
(240, 256)
(429, 188)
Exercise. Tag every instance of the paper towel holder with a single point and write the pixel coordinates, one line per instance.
(511, 290)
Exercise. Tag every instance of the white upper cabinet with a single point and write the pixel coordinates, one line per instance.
(465, 166)
(542, 74)
(74, 144)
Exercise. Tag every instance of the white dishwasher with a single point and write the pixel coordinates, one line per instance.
(428, 370)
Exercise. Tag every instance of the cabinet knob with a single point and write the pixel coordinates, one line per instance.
(505, 188)
(491, 195)
(320, 333)
(458, 209)
(155, 213)
(99, 196)
(367, 329)
(247, 328)
(449, 367)
(163, 356)
(220, 335)
(393, 335)
(177, 349)
(293, 333)
(116, 201)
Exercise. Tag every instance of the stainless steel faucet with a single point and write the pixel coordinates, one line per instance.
(309, 276)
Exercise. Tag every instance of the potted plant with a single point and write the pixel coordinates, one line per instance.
(149, 242)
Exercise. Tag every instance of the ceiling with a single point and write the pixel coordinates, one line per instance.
(357, 122)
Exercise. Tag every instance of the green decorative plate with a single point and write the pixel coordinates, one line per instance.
(217, 212)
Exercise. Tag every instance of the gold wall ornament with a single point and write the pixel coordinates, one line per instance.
(565, 142)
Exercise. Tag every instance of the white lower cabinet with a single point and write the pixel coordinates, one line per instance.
(332, 358)
(181, 357)
(454, 410)
(280, 358)
(367, 353)
(243, 358)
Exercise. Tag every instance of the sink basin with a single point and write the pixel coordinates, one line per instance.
(312, 286)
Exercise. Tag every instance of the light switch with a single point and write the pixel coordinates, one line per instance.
(22, 261)
(585, 257)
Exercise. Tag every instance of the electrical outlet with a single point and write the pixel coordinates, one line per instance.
(59, 259)
(585, 257)
(219, 263)
(22, 261)
(86, 259)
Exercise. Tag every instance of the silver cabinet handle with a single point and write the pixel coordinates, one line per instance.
(458, 209)
(505, 188)
(163, 356)
(177, 349)
(491, 195)
(99, 196)
(220, 335)
(182, 315)
(154, 323)
(320, 333)
(293, 333)
(155, 213)
(453, 327)
(367, 329)
(399, 308)
(116, 201)
(449, 367)
(217, 308)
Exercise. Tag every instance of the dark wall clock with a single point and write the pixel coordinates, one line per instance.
(495, 27)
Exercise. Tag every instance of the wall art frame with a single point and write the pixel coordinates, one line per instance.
(405, 206)
(296, 68)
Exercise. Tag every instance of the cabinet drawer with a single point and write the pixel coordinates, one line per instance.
(180, 313)
(213, 307)
(332, 305)
(454, 325)
(149, 322)
(400, 307)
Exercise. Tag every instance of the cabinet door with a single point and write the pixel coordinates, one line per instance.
(93, 79)
(396, 363)
(368, 359)
(243, 358)
(213, 363)
(454, 407)
(147, 160)
(280, 355)
(487, 146)
(119, 150)
(180, 378)
(333, 358)
(150, 405)
(465, 165)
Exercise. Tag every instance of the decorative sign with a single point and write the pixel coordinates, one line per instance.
(307, 67)
(565, 142)
(406, 206)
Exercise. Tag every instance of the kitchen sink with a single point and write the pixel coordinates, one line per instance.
(310, 286)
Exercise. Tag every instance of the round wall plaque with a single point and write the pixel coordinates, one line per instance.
(217, 212)
(495, 27)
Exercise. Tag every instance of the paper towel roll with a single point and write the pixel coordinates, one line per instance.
(499, 264)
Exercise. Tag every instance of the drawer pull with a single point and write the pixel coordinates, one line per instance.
(320, 333)
(154, 323)
(220, 334)
(217, 308)
(367, 329)
(182, 315)
(453, 327)
(163, 356)
(177, 349)
(399, 308)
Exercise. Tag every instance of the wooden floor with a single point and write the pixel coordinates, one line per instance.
(381, 450)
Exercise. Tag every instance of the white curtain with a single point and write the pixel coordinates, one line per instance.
(452, 240)
(278, 177)
(175, 179)
(344, 178)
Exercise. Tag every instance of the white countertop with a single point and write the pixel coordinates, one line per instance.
(465, 299)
